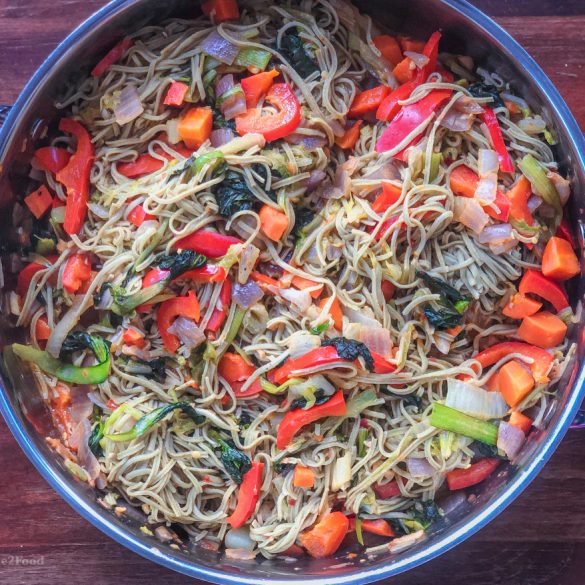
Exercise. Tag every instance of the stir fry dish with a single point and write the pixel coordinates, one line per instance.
(289, 279)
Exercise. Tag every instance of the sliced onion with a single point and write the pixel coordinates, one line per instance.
(85, 457)
(562, 185)
(240, 554)
(217, 47)
(386, 172)
(243, 143)
(189, 334)
(510, 439)
(364, 316)
(173, 135)
(403, 543)
(129, 106)
(234, 106)
(468, 105)
(337, 126)
(300, 298)
(221, 136)
(377, 339)
(532, 126)
(533, 203)
(65, 325)
(418, 59)
(454, 504)
(95, 399)
(351, 165)
(498, 233)
(487, 162)
(470, 213)
(224, 84)
(246, 295)
(457, 121)
(340, 187)
(420, 467)
(302, 342)
(248, 260)
(503, 247)
(523, 104)
(474, 401)
(239, 538)
(316, 177)
(81, 405)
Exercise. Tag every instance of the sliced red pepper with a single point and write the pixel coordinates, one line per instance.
(388, 490)
(221, 10)
(410, 118)
(39, 201)
(153, 276)
(138, 216)
(176, 94)
(26, 274)
(113, 56)
(145, 164)
(248, 495)
(134, 337)
(42, 329)
(51, 158)
(491, 121)
(564, 231)
(75, 176)
(431, 51)
(534, 282)
(208, 243)
(542, 359)
(207, 273)
(221, 311)
(474, 474)
(388, 290)
(274, 126)
(379, 527)
(76, 273)
(368, 101)
(236, 370)
(187, 306)
(255, 87)
(389, 196)
(381, 364)
(295, 420)
(390, 106)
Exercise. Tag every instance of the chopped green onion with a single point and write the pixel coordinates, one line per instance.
(235, 90)
(318, 329)
(274, 389)
(452, 420)
(361, 440)
(252, 57)
(358, 530)
(436, 159)
(542, 185)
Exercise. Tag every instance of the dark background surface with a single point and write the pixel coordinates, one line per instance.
(539, 540)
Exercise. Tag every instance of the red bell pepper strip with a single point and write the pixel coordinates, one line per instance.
(491, 121)
(75, 176)
(295, 420)
(42, 329)
(138, 216)
(431, 51)
(236, 370)
(255, 87)
(388, 490)
(26, 274)
(113, 56)
(476, 473)
(274, 126)
(207, 273)
(248, 495)
(208, 243)
(39, 201)
(187, 306)
(145, 164)
(564, 232)
(389, 107)
(379, 527)
(153, 276)
(368, 101)
(134, 337)
(542, 359)
(534, 282)
(389, 196)
(51, 158)
(410, 118)
(176, 94)
(221, 10)
(76, 273)
(221, 311)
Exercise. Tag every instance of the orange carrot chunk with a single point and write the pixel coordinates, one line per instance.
(304, 283)
(351, 136)
(516, 382)
(39, 201)
(195, 127)
(389, 47)
(543, 329)
(493, 383)
(559, 262)
(326, 536)
(334, 311)
(404, 71)
(304, 477)
(273, 222)
(520, 421)
(520, 306)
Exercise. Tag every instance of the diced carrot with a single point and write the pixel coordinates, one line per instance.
(273, 222)
(134, 337)
(516, 382)
(493, 383)
(408, 44)
(512, 107)
(326, 536)
(42, 329)
(39, 201)
(221, 10)
(334, 311)
(521, 421)
(404, 71)
(518, 195)
(351, 136)
(304, 477)
(303, 283)
(520, 306)
(388, 290)
(389, 47)
(138, 216)
(559, 262)
(379, 527)
(389, 196)
(543, 330)
(195, 127)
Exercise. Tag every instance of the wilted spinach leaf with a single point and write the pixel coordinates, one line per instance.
(235, 462)
(483, 90)
(320, 398)
(220, 122)
(151, 370)
(350, 349)
(181, 262)
(303, 217)
(234, 195)
(408, 399)
(294, 52)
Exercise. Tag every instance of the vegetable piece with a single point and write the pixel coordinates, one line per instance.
(351, 136)
(39, 201)
(388, 290)
(405, 71)
(389, 47)
(67, 372)
(543, 330)
(248, 495)
(145, 164)
(236, 463)
(134, 337)
(75, 176)
(459, 479)
(389, 106)
(534, 282)
(236, 371)
(474, 401)
(412, 45)
(326, 536)
(221, 311)
(305, 283)
(76, 273)
(518, 196)
(151, 370)
(491, 121)
(380, 527)
(542, 360)
(520, 306)
(559, 261)
(176, 94)
(515, 382)
(304, 477)
(294, 420)
(221, 10)
(341, 476)
(273, 222)
(138, 216)
(257, 86)
(385, 491)
(51, 158)
(187, 306)
(148, 421)
(510, 440)
(521, 421)
(430, 50)
(208, 243)
(277, 125)
(452, 420)
(368, 101)
(541, 184)
(411, 118)
(334, 311)
(25, 276)
(564, 232)
(195, 127)
(112, 57)
(233, 195)
(252, 58)
(389, 196)
(293, 50)
(42, 329)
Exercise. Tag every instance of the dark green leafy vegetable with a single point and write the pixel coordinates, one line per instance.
(234, 195)
(423, 515)
(361, 441)
(283, 468)
(438, 286)
(194, 164)
(485, 450)
(181, 262)
(320, 398)
(96, 436)
(445, 318)
(235, 462)
(244, 421)
(262, 172)
(78, 341)
(151, 370)
(294, 52)
(408, 399)
(483, 90)
(197, 363)
(303, 217)
(350, 350)
(220, 122)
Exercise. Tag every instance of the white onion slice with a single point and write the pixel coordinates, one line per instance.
(497, 233)
(65, 325)
(419, 467)
(129, 106)
(470, 213)
(474, 401)
(302, 342)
